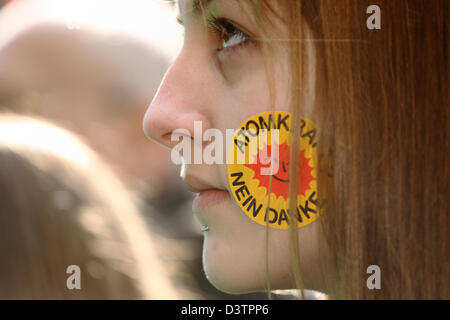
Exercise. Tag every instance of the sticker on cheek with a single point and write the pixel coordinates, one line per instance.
(259, 153)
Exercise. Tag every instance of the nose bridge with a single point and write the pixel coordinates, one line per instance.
(176, 105)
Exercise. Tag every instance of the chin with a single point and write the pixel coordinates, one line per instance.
(231, 268)
(235, 262)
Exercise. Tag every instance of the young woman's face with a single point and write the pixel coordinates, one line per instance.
(221, 81)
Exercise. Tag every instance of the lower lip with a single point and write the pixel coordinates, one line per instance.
(209, 198)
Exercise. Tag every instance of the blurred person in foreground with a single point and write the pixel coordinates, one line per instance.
(61, 206)
(3, 2)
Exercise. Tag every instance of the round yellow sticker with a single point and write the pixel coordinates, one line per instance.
(260, 150)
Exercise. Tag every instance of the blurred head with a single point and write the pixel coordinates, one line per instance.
(61, 207)
(381, 170)
(97, 85)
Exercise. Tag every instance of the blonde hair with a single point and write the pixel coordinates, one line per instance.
(61, 206)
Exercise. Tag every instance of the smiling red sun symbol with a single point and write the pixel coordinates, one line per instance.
(280, 180)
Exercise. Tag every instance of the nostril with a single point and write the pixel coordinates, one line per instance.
(167, 138)
(154, 128)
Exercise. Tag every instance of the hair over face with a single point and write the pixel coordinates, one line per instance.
(381, 107)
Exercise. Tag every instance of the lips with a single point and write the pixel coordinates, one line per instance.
(209, 198)
(207, 194)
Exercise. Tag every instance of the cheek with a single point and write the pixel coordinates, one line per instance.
(244, 89)
(237, 65)
(252, 95)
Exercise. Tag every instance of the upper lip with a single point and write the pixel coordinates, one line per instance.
(197, 185)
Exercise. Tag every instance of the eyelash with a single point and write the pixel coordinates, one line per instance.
(225, 28)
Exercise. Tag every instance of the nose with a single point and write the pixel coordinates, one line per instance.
(178, 104)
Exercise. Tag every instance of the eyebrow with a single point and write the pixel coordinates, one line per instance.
(197, 7)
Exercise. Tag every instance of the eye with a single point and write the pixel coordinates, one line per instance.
(232, 37)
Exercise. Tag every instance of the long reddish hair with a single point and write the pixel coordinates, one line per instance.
(381, 107)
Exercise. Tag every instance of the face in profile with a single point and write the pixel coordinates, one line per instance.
(220, 79)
